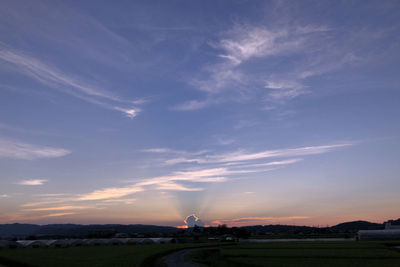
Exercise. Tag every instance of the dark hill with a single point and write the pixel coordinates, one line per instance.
(356, 226)
(77, 230)
(292, 230)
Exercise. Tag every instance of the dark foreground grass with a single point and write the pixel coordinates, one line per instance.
(243, 254)
(325, 254)
(97, 256)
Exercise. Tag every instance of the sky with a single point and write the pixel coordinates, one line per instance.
(239, 112)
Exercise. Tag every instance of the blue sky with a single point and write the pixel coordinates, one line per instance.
(242, 112)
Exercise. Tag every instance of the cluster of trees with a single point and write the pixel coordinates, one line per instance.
(221, 230)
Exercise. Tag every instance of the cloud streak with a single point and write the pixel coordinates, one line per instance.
(177, 187)
(235, 163)
(114, 192)
(59, 208)
(171, 182)
(247, 42)
(32, 182)
(240, 51)
(18, 150)
(288, 152)
(242, 155)
(192, 105)
(266, 164)
(54, 78)
(230, 165)
(242, 44)
(58, 214)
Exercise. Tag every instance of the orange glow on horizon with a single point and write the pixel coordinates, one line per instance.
(182, 226)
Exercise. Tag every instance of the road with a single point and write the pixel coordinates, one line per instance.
(177, 259)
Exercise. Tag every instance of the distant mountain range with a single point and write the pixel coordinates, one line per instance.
(17, 230)
(347, 227)
(76, 230)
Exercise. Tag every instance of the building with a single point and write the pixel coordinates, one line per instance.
(387, 234)
(390, 226)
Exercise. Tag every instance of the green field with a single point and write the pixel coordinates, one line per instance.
(242, 254)
(125, 255)
(361, 254)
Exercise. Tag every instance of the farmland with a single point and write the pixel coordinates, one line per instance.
(301, 254)
(122, 255)
(235, 254)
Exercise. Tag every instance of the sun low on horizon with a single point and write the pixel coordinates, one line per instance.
(202, 113)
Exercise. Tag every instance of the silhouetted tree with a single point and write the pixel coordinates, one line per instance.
(196, 229)
(240, 232)
(223, 229)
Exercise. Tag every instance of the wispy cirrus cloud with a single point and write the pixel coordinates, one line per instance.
(129, 112)
(177, 187)
(59, 214)
(172, 151)
(43, 203)
(160, 150)
(288, 152)
(242, 44)
(66, 83)
(32, 182)
(234, 163)
(119, 201)
(285, 89)
(175, 156)
(225, 141)
(246, 42)
(242, 155)
(49, 75)
(230, 166)
(266, 164)
(286, 86)
(113, 192)
(22, 216)
(194, 104)
(170, 182)
(50, 195)
(244, 48)
(180, 160)
(59, 208)
(18, 150)
(50, 200)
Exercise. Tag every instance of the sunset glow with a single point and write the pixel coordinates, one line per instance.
(199, 112)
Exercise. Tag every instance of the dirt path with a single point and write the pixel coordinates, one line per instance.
(177, 259)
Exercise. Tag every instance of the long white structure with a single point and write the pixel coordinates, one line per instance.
(58, 243)
(61, 243)
(74, 242)
(32, 243)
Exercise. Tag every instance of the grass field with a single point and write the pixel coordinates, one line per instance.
(96, 256)
(362, 254)
(243, 254)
